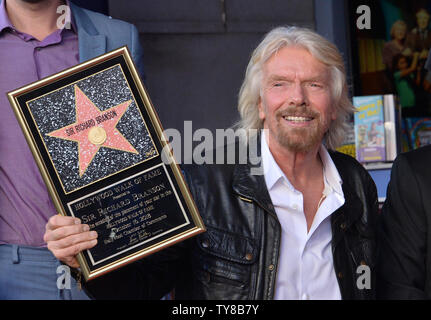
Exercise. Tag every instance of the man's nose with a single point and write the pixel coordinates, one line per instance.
(297, 95)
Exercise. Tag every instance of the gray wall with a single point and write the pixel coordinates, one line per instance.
(332, 22)
(196, 51)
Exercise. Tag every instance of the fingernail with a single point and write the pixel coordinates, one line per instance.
(93, 234)
(86, 227)
(93, 242)
(77, 221)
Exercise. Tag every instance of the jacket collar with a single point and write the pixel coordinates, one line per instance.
(91, 43)
(4, 19)
(248, 179)
(353, 209)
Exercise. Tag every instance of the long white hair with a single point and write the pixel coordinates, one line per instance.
(319, 48)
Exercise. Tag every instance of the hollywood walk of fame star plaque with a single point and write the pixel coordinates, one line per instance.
(100, 148)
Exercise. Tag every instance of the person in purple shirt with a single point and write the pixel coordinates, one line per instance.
(36, 43)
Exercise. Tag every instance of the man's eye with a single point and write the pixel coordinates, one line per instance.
(315, 85)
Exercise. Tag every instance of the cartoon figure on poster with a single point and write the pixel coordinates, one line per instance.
(362, 136)
(419, 41)
(407, 79)
(392, 58)
(397, 46)
(404, 57)
(375, 137)
(419, 38)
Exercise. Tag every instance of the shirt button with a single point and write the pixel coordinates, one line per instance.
(340, 275)
(295, 207)
(271, 267)
(305, 296)
(205, 244)
(248, 256)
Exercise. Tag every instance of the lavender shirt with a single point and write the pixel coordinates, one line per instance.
(25, 204)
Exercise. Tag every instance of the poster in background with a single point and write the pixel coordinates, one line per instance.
(390, 57)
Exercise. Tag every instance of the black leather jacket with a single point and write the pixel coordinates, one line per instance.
(237, 257)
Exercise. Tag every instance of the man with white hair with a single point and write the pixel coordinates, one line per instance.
(300, 230)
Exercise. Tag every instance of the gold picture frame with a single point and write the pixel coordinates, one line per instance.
(100, 148)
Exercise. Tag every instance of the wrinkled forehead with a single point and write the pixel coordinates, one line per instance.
(296, 59)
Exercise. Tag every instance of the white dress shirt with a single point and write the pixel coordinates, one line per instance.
(306, 269)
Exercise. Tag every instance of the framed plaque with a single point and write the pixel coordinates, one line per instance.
(99, 145)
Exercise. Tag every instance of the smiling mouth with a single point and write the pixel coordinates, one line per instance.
(297, 119)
